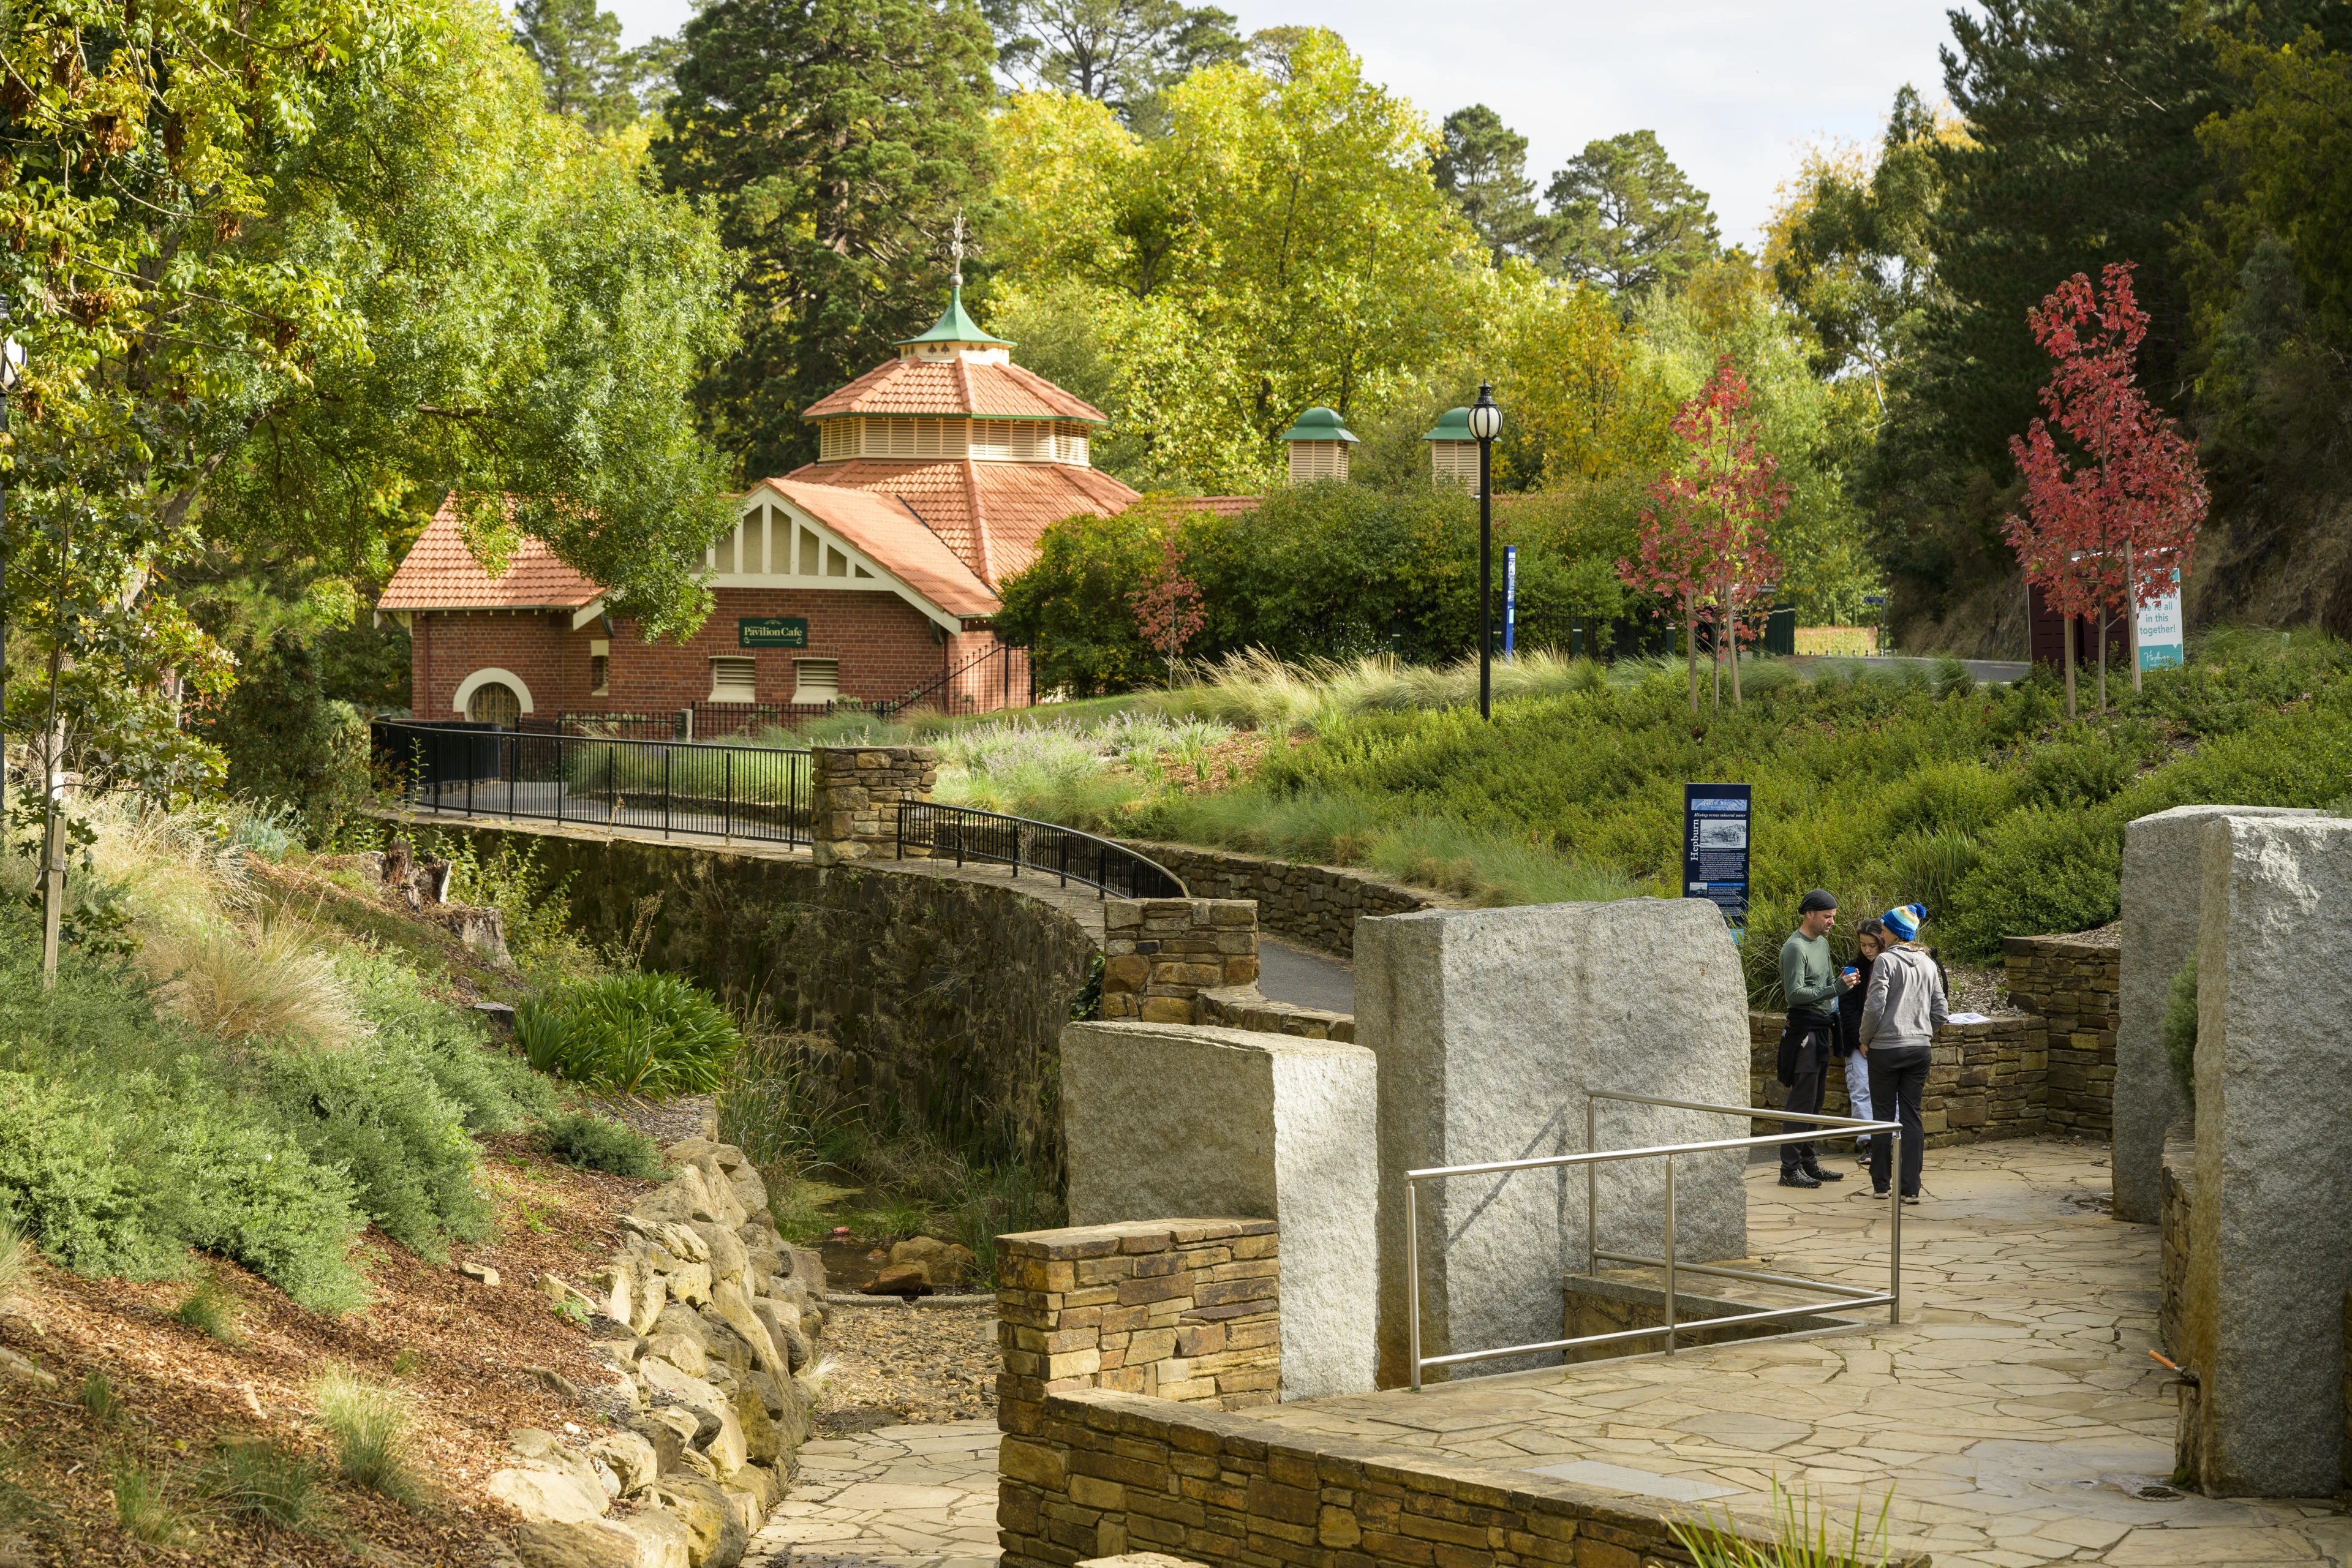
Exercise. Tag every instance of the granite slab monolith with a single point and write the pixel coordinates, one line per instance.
(1163, 1119)
(2270, 1253)
(1491, 1027)
(2163, 875)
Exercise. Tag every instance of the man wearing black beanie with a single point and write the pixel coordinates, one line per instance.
(1810, 981)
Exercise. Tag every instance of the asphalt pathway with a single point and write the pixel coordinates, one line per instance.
(1303, 977)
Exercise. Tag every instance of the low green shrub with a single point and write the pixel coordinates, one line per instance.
(595, 1144)
(2179, 1029)
(493, 1091)
(635, 1032)
(2043, 870)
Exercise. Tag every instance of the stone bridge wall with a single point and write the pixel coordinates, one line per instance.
(944, 996)
(2073, 983)
(1984, 1080)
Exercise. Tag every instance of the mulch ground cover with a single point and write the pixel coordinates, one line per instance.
(460, 1353)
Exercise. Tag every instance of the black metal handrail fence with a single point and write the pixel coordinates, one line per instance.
(958, 832)
(676, 786)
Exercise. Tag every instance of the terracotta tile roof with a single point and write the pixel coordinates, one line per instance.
(990, 514)
(893, 536)
(953, 388)
(1223, 506)
(441, 573)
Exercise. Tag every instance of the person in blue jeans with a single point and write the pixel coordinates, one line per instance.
(1905, 1008)
(1869, 940)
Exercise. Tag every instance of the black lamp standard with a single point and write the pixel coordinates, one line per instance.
(1485, 423)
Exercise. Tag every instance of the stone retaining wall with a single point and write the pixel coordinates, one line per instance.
(1317, 905)
(1160, 955)
(1984, 1080)
(1105, 1473)
(2075, 984)
(942, 996)
(1183, 1309)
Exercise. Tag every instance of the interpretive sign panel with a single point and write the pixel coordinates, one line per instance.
(1716, 845)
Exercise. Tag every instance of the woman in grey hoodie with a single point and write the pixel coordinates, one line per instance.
(1906, 1009)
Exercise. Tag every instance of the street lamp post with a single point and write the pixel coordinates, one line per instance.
(1485, 423)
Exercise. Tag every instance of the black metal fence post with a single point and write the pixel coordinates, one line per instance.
(666, 757)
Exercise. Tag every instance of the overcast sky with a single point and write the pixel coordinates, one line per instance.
(1733, 88)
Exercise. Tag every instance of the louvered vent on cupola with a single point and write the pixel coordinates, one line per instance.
(1318, 447)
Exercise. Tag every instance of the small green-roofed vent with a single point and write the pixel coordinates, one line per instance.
(1318, 424)
(956, 327)
(1453, 426)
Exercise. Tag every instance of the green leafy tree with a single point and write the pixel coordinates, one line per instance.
(1625, 217)
(1484, 167)
(1281, 246)
(589, 76)
(836, 139)
(1848, 249)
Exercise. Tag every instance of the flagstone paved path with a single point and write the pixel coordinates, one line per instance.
(897, 1497)
(2015, 1413)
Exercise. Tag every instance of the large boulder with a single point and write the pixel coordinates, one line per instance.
(585, 1543)
(669, 1386)
(662, 1538)
(681, 1350)
(762, 1442)
(734, 1308)
(722, 1249)
(547, 1496)
(631, 1457)
(700, 1507)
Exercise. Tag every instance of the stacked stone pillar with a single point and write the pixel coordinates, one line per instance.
(1160, 955)
(855, 795)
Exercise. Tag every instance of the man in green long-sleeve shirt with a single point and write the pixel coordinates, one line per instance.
(1810, 981)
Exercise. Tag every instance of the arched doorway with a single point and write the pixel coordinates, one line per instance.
(495, 702)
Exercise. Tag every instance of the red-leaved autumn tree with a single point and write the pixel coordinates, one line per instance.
(2112, 517)
(1704, 540)
(1168, 606)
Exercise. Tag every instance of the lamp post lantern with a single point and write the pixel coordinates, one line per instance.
(1485, 424)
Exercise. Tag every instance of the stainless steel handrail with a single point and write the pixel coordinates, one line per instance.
(1847, 1296)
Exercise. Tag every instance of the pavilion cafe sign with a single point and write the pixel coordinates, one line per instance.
(772, 631)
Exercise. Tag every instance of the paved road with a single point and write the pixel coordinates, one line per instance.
(1305, 978)
(1984, 670)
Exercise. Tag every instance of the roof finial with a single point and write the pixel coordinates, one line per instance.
(956, 277)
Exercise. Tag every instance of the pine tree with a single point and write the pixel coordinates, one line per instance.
(1484, 167)
(838, 138)
(1624, 217)
(589, 76)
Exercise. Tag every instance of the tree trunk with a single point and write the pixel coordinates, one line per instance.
(2131, 608)
(1690, 643)
(2102, 658)
(1735, 654)
(2069, 623)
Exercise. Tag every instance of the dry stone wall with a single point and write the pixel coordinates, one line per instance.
(1106, 1473)
(1184, 1309)
(1315, 905)
(2071, 984)
(1984, 1080)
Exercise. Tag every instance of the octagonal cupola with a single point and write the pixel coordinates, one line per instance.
(1452, 450)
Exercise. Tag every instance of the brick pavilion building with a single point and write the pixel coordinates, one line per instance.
(867, 575)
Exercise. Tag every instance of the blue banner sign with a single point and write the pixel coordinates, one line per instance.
(1510, 595)
(1716, 837)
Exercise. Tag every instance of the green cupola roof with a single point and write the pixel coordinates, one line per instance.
(1453, 426)
(956, 326)
(1319, 424)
